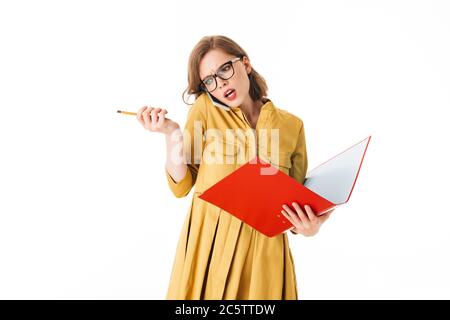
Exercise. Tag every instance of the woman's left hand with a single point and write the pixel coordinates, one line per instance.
(307, 224)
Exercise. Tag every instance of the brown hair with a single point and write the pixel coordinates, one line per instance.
(258, 87)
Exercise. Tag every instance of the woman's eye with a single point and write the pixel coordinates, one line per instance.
(225, 68)
(208, 81)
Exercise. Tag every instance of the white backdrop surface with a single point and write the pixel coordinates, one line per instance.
(85, 210)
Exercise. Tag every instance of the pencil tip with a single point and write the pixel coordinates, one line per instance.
(119, 111)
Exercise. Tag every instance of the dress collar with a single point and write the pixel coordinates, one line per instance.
(268, 105)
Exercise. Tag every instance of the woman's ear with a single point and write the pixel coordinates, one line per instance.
(247, 65)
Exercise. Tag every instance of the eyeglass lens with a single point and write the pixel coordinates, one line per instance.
(225, 73)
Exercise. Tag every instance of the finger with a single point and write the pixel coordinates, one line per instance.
(154, 115)
(303, 217)
(325, 216)
(311, 215)
(295, 225)
(139, 114)
(288, 217)
(293, 216)
(146, 117)
(161, 118)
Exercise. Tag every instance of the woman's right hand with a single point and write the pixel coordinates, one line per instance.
(154, 120)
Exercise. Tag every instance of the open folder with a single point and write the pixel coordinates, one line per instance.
(257, 198)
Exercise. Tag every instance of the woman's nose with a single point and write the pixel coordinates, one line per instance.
(222, 82)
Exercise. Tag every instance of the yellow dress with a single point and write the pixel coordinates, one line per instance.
(218, 256)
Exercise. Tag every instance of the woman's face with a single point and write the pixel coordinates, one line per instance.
(240, 82)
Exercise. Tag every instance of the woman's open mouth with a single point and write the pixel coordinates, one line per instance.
(230, 94)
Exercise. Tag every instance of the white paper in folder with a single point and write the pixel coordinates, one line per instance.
(334, 179)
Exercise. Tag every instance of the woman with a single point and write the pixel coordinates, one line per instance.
(218, 256)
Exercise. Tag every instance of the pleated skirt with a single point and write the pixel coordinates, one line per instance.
(218, 257)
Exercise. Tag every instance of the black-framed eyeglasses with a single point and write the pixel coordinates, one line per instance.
(225, 72)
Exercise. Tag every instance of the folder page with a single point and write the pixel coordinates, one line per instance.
(334, 179)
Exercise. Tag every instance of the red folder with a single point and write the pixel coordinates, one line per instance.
(257, 198)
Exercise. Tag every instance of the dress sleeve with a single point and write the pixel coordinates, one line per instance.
(193, 130)
(299, 158)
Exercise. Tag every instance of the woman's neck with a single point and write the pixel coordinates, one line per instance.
(251, 110)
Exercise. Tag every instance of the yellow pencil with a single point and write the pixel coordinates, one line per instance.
(127, 112)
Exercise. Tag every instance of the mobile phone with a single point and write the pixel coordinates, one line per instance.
(217, 103)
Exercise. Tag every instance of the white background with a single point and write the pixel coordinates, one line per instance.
(85, 209)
